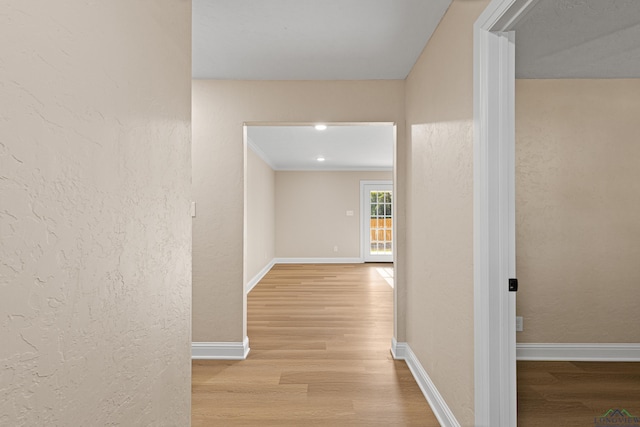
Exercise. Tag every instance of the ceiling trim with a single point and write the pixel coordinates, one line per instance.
(258, 123)
(259, 152)
(334, 169)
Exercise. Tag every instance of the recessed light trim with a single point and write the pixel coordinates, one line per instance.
(321, 126)
(320, 159)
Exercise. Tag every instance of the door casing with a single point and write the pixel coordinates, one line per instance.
(494, 213)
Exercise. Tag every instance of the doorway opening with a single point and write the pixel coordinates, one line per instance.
(303, 196)
(538, 59)
(377, 221)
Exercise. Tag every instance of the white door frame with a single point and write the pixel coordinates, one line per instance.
(363, 214)
(494, 212)
(398, 287)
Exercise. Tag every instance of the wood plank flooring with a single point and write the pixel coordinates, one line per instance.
(320, 338)
(572, 394)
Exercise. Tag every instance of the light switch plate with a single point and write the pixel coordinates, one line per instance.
(193, 209)
(349, 213)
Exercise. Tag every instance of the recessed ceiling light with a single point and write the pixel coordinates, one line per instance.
(320, 159)
(321, 127)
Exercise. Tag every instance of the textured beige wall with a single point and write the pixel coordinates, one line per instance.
(311, 213)
(577, 204)
(95, 232)
(219, 110)
(439, 111)
(261, 223)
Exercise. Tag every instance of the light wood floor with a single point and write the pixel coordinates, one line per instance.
(320, 338)
(571, 394)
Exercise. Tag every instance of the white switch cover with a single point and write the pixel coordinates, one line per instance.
(349, 213)
(519, 324)
(193, 209)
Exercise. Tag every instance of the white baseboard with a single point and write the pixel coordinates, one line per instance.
(319, 260)
(436, 401)
(398, 349)
(220, 350)
(253, 282)
(607, 352)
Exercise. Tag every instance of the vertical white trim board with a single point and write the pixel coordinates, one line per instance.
(254, 281)
(579, 352)
(434, 398)
(220, 350)
(494, 212)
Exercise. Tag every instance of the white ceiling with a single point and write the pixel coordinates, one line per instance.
(354, 147)
(381, 39)
(311, 39)
(579, 39)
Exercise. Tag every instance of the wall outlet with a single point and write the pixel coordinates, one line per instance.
(335, 249)
(519, 324)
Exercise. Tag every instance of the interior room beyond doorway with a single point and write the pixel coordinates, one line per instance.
(303, 193)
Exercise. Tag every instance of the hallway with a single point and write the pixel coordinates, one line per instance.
(320, 338)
